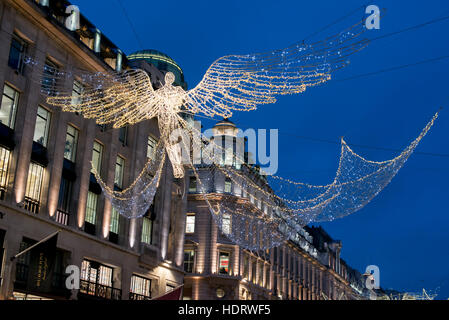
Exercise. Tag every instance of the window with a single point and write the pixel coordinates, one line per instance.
(77, 91)
(4, 166)
(147, 230)
(8, 107)
(151, 150)
(96, 280)
(267, 277)
(260, 282)
(245, 266)
(65, 192)
(254, 271)
(17, 53)
(251, 198)
(140, 288)
(97, 155)
(33, 188)
(223, 262)
(49, 77)
(192, 185)
(189, 260)
(190, 223)
(169, 287)
(65, 196)
(228, 185)
(91, 208)
(71, 142)
(42, 126)
(123, 135)
(119, 166)
(115, 221)
(226, 223)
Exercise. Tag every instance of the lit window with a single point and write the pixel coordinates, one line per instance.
(50, 75)
(223, 262)
(147, 230)
(190, 223)
(189, 260)
(169, 287)
(42, 126)
(77, 91)
(140, 288)
(97, 155)
(228, 185)
(8, 107)
(226, 223)
(34, 181)
(119, 167)
(245, 267)
(4, 166)
(71, 142)
(192, 185)
(91, 208)
(97, 276)
(151, 150)
(253, 271)
(34, 186)
(115, 221)
(17, 53)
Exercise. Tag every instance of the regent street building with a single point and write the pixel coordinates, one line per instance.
(307, 266)
(46, 182)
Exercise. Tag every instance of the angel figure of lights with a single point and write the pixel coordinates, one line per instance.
(232, 83)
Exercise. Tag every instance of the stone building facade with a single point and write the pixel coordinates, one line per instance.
(307, 266)
(46, 182)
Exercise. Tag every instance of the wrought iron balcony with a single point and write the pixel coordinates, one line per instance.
(99, 290)
(62, 217)
(31, 205)
(135, 296)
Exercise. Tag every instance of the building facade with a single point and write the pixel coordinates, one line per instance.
(307, 266)
(46, 182)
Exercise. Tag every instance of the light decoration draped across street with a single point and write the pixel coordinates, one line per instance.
(268, 213)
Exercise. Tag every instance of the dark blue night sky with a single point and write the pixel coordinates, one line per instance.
(405, 229)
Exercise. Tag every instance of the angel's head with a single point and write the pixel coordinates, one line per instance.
(169, 78)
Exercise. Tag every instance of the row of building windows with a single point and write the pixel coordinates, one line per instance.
(228, 188)
(224, 257)
(226, 225)
(36, 172)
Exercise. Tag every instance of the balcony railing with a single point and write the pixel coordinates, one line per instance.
(99, 290)
(136, 296)
(31, 205)
(62, 217)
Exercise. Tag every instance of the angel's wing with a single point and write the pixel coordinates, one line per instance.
(241, 82)
(108, 97)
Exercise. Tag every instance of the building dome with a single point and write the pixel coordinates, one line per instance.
(162, 62)
(225, 127)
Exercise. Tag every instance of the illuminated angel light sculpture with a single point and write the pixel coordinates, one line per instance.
(232, 83)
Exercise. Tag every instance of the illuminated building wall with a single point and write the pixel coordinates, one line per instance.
(45, 169)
